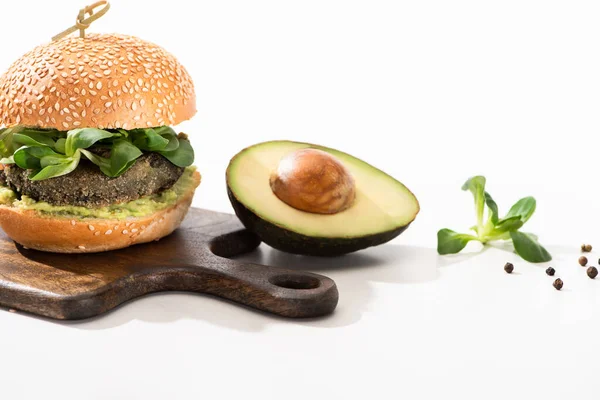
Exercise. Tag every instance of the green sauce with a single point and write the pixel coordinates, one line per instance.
(7, 196)
(138, 208)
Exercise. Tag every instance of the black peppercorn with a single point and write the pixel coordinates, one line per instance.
(508, 267)
(558, 284)
(583, 261)
(592, 272)
(550, 271)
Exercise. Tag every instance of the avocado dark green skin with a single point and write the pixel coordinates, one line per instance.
(295, 243)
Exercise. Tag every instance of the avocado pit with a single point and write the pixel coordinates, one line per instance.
(314, 181)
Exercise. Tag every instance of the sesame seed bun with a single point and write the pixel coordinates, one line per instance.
(66, 235)
(104, 81)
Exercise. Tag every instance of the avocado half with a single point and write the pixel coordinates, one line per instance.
(382, 210)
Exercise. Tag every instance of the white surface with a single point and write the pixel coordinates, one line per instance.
(431, 92)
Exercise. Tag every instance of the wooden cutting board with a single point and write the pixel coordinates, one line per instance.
(193, 258)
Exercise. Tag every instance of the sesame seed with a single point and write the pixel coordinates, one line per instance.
(108, 104)
(81, 247)
(125, 232)
(134, 230)
(97, 233)
(91, 227)
(73, 222)
(88, 68)
(108, 232)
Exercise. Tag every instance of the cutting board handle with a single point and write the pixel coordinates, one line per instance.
(276, 290)
(286, 292)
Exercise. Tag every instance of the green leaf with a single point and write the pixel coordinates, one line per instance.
(103, 163)
(84, 138)
(33, 139)
(28, 157)
(7, 147)
(476, 185)
(39, 131)
(125, 133)
(60, 145)
(528, 248)
(183, 156)
(509, 225)
(52, 171)
(493, 208)
(165, 130)
(533, 235)
(450, 242)
(523, 208)
(122, 156)
(173, 143)
(148, 139)
(54, 159)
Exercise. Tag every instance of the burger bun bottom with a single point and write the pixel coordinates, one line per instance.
(65, 235)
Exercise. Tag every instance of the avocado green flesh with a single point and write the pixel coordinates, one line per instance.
(382, 204)
(297, 243)
(137, 208)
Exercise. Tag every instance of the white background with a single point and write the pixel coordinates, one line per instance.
(431, 92)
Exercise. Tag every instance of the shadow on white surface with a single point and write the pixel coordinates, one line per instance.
(355, 275)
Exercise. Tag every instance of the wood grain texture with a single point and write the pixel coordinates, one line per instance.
(193, 258)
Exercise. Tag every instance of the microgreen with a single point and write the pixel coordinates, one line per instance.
(494, 228)
(50, 153)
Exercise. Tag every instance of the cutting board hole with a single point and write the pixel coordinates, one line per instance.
(295, 281)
